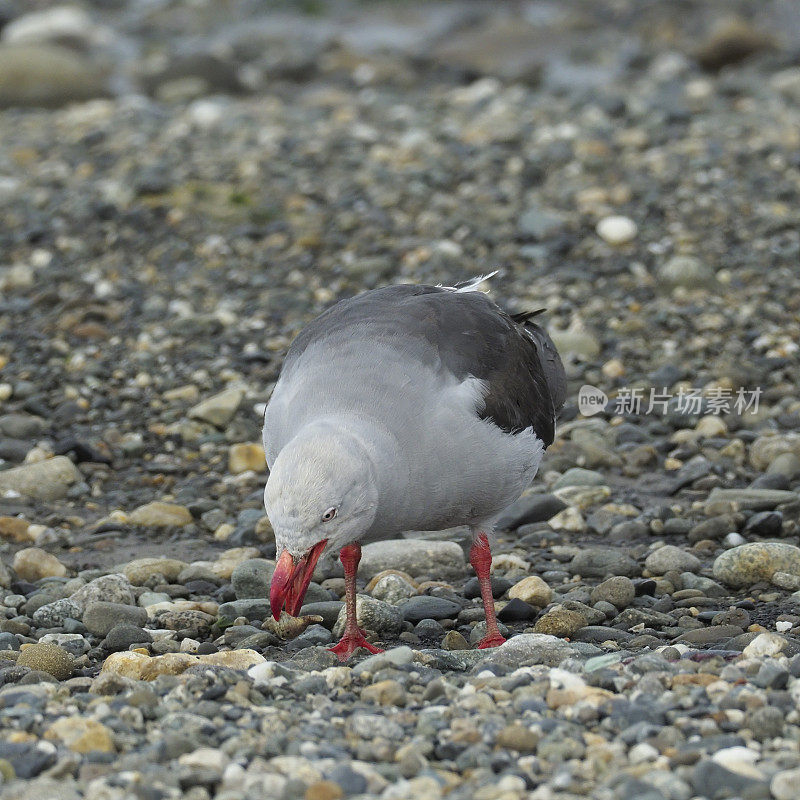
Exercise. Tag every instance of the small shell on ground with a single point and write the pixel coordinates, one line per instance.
(288, 627)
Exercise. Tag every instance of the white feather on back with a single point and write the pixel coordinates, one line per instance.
(471, 286)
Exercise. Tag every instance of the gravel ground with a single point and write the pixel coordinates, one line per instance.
(206, 178)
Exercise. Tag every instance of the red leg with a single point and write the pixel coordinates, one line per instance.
(353, 637)
(480, 556)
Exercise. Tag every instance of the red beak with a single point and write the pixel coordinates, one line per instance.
(290, 580)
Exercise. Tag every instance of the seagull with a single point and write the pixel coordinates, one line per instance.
(408, 407)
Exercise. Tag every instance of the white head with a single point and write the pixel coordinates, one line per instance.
(321, 493)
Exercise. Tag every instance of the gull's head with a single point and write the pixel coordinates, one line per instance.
(321, 492)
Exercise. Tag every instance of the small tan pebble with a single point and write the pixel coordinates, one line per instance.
(49, 658)
(137, 664)
(141, 569)
(324, 790)
(224, 532)
(711, 425)
(532, 590)
(426, 586)
(161, 515)
(518, 737)
(15, 529)
(400, 574)
(289, 627)
(246, 456)
(228, 560)
(560, 621)
(613, 368)
(82, 735)
(264, 530)
(384, 693)
(453, 640)
(33, 563)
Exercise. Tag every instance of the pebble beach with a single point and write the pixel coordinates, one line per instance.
(184, 185)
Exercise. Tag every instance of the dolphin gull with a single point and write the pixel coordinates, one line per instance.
(404, 408)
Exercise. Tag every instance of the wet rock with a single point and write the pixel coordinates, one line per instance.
(289, 627)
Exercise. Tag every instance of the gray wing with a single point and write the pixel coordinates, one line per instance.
(464, 333)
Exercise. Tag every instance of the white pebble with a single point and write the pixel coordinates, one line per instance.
(734, 540)
(784, 784)
(740, 760)
(617, 230)
(642, 752)
(765, 644)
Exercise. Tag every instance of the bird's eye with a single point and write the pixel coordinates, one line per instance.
(329, 515)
